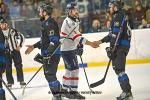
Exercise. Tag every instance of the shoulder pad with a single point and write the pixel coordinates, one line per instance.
(13, 30)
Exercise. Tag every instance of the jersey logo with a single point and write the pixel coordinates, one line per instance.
(46, 23)
(68, 24)
(73, 23)
(116, 24)
(51, 32)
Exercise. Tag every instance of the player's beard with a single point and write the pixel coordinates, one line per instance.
(42, 18)
(76, 15)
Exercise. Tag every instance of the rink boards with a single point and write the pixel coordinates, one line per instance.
(139, 52)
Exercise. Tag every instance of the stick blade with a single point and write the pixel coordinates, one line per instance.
(97, 83)
(23, 91)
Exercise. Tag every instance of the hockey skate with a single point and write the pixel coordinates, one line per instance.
(22, 84)
(9, 85)
(64, 93)
(74, 95)
(58, 97)
(125, 96)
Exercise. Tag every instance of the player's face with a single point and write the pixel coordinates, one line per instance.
(74, 12)
(3, 26)
(111, 8)
(42, 14)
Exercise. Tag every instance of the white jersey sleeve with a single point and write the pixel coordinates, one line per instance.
(70, 33)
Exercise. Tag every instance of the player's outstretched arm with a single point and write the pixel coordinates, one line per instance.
(92, 44)
(29, 49)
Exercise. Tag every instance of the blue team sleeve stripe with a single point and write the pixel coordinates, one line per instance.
(123, 77)
(45, 52)
(2, 59)
(54, 39)
(115, 30)
(54, 83)
(2, 46)
(124, 42)
(2, 91)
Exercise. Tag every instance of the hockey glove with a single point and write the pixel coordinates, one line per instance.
(109, 52)
(46, 56)
(38, 58)
(46, 60)
(79, 50)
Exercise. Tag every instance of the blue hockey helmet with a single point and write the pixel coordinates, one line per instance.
(70, 6)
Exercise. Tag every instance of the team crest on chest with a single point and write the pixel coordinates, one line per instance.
(51, 32)
(116, 23)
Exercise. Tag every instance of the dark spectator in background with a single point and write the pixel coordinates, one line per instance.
(144, 24)
(129, 12)
(104, 4)
(96, 27)
(30, 9)
(147, 12)
(106, 25)
(69, 1)
(83, 14)
(36, 4)
(14, 10)
(48, 1)
(57, 10)
(63, 6)
(96, 6)
(7, 2)
(23, 10)
(4, 11)
(138, 13)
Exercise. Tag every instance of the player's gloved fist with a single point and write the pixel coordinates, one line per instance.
(46, 59)
(38, 58)
(46, 56)
(109, 52)
(79, 50)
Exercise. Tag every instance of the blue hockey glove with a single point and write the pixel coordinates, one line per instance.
(79, 50)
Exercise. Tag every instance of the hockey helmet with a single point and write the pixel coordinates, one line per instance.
(71, 5)
(2, 20)
(46, 7)
(117, 3)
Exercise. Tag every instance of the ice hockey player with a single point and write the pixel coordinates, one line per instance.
(71, 37)
(13, 53)
(119, 25)
(49, 42)
(2, 61)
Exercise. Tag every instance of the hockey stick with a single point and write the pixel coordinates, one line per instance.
(86, 76)
(49, 58)
(31, 80)
(113, 49)
(8, 89)
(103, 79)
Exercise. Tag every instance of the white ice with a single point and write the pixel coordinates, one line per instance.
(139, 78)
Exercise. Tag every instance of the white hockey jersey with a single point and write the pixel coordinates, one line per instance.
(70, 35)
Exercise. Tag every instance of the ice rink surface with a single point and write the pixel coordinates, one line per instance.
(139, 78)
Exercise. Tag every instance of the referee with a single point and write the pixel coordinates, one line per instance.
(13, 52)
